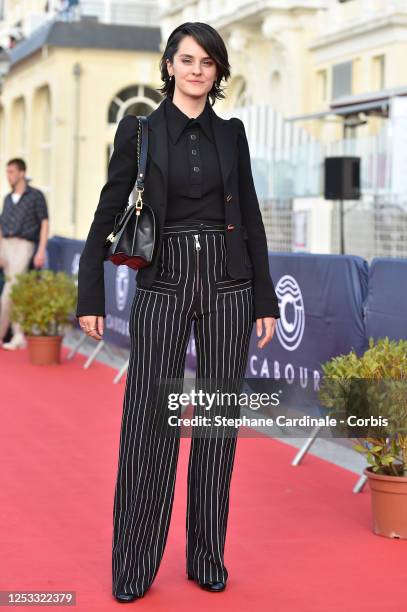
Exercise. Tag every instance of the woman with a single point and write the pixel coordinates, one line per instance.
(211, 268)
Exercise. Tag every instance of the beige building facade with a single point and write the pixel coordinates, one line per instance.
(70, 81)
(59, 109)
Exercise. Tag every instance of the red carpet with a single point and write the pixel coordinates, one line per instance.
(298, 538)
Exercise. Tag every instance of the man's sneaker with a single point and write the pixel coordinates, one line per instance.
(17, 341)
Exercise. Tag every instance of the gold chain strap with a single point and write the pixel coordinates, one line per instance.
(138, 141)
(139, 201)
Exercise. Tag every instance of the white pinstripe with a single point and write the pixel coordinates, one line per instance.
(160, 325)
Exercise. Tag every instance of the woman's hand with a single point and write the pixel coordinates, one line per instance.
(269, 327)
(92, 326)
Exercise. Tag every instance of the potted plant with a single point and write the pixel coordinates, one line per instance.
(373, 390)
(43, 303)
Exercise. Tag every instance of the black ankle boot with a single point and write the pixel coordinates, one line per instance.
(214, 586)
(126, 597)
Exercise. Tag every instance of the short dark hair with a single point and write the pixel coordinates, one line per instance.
(17, 161)
(210, 40)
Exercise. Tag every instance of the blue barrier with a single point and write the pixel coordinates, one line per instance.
(64, 254)
(386, 307)
(329, 305)
(321, 299)
(120, 286)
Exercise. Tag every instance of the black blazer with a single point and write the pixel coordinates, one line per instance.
(246, 243)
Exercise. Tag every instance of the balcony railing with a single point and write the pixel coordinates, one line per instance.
(30, 16)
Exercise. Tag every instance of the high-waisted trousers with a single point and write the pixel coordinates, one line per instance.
(192, 285)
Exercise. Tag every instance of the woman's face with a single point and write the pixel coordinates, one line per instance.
(193, 70)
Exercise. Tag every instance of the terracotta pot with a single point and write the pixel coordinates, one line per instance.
(389, 504)
(44, 350)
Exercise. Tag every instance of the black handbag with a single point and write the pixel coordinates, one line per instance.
(133, 239)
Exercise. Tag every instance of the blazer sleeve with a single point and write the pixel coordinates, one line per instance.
(122, 174)
(264, 295)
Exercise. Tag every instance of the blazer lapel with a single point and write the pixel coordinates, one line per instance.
(158, 145)
(224, 133)
(225, 136)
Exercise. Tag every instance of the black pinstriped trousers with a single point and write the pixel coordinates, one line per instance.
(192, 285)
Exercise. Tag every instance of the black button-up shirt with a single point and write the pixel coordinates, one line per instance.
(24, 218)
(195, 187)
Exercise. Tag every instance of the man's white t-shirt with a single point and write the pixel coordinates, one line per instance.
(15, 197)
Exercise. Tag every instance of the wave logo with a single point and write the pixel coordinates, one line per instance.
(122, 286)
(290, 325)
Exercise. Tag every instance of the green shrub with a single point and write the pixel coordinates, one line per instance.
(373, 384)
(43, 301)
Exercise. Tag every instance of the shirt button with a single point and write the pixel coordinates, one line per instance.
(193, 151)
(196, 169)
(193, 136)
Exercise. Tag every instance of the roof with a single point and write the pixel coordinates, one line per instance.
(349, 105)
(87, 34)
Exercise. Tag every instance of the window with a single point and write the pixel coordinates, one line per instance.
(341, 79)
(322, 85)
(379, 72)
(134, 100)
(46, 144)
(276, 91)
(242, 96)
(18, 128)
